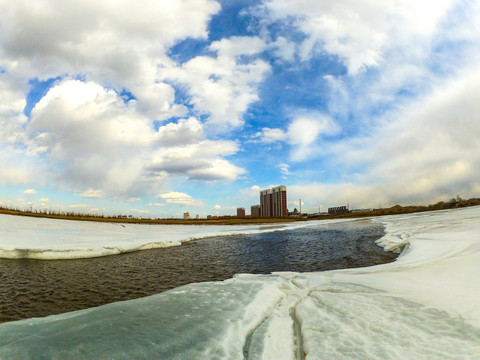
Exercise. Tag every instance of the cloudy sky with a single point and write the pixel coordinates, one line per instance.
(156, 107)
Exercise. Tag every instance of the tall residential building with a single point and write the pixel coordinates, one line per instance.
(273, 202)
(255, 211)
(241, 212)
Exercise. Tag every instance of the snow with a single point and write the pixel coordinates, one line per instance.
(422, 306)
(46, 239)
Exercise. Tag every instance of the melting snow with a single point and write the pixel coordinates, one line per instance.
(422, 306)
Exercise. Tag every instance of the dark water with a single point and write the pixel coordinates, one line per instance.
(34, 288)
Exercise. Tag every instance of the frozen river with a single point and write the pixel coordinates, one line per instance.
(36, 288)
(422, 306)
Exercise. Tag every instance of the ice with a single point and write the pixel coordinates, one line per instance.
(425, 305)
(206, 321)
(40, 238)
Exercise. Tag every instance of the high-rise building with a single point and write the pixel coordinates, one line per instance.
(273, 202)
(266, 203)
(255, 211)
(241, 212)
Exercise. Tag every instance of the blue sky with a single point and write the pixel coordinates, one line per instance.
(161, 107)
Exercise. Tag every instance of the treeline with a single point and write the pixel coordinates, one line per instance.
(47, 212)
(54, 214)
(70, 215)
(398, 209)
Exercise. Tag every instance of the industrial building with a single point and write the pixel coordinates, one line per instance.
(273, 202)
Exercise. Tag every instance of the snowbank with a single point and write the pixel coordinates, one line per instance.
(423, 306)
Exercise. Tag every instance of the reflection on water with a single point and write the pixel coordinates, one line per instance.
(33, 288)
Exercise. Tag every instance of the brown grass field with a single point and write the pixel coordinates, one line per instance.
(232, 220)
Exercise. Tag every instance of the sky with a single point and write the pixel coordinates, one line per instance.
(157, 107)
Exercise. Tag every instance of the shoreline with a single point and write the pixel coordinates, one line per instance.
(60, 286)
(394, 210)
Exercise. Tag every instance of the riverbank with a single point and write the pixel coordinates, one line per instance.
(233, 220)
(31, 288)
(423, 305)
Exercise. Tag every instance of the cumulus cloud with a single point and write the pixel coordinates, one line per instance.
(425, 152)
(200, 160)
(106, 123)
(93, 140)
(30, 192)
(109, 40)
(185, 131)
(223, 87)
(269, 135)
(302, 134)
(251, 194)
(358, 32)
(91, 133)
(179, 198)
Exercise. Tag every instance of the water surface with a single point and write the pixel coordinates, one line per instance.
(35, 288)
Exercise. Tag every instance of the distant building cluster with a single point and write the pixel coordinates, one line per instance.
(273, 203)
(338, 210)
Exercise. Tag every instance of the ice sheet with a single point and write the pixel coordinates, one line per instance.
(39, 238)
(423, 306)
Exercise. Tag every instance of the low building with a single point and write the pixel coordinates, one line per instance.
(294, 213)
(338, 210)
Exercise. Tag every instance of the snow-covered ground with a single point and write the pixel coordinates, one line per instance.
(40, 238)
(426, 305)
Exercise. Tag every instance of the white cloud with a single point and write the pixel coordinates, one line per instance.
(140, 211)
(284, 49)
(251, 194)
(94, 137)
(284, 168)
(359, 32)
(217, 207)
(179, 198)
(423, 152)
(223, 86)
(94, 140)
(78, 206)
(118, 41)
(157, 204)
(30, 192)
(198, 161)
(186, 131)
(84, 134)
(269, 135)
(302, 134)
(92, 194)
